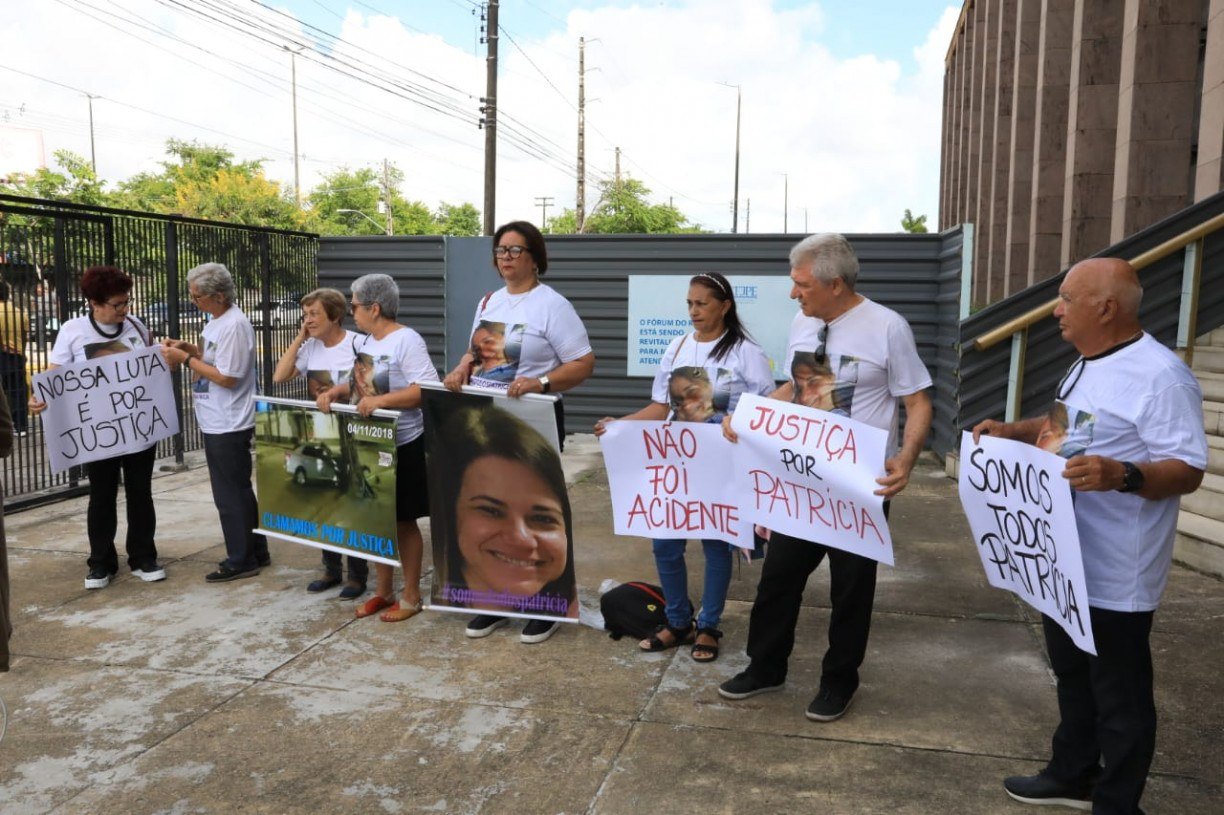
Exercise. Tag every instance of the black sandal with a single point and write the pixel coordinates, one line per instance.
(680, 636)
(706, 653)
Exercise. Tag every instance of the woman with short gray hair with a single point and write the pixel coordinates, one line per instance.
(223, 388)
(213, 280)
(390, 360)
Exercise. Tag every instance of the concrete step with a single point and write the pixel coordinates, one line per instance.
(1200, 543)
(1215, 338)
(1208, 500)
(1215, 454)
(1208, 358)
(1213, 418)
(1212, 385)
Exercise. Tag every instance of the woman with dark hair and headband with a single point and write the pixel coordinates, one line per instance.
(718, 358)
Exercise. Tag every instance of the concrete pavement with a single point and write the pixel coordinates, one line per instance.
(254, 696)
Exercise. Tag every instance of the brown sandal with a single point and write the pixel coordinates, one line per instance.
(701, 651)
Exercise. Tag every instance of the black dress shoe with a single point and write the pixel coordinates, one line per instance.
(1041, 789)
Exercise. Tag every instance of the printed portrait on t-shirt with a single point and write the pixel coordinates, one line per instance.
(371, 376)
(319, 381)
(200, 386)
(497, 349)
(1066, 431)
(817, 385)
(105, 349)
(698, 394)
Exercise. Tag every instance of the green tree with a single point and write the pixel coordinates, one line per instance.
(204, 181)
(461, 219)
(76, 183)
(911, 224)
(623, 208)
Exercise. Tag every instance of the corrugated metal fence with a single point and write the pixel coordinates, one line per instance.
(443, 279)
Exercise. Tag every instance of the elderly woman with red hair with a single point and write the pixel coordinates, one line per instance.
(105, 327)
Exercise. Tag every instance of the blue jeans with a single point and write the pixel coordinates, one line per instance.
(673, 574)
(229, 469)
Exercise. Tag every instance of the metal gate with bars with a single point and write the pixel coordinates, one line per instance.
(45, 247)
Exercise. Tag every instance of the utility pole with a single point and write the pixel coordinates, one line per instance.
(93, 158)
(748, 216)
(618, 168)
(785, 201)
(489, 122)
(387, 196)
(580, 205)
(735, 194)
(543, 202)
(805, 229)
(297, 172)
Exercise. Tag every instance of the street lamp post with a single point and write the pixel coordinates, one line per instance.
(785, 201)
(381, 228)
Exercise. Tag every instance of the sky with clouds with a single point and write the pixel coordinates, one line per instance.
(841, 99)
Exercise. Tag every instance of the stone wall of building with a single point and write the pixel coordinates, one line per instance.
(1070, 124)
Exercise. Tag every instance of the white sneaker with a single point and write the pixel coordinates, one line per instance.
(150, 572)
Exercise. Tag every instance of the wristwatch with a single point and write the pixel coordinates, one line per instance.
(545, 384)
(1132, 478)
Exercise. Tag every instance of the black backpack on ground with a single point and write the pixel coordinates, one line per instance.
(633, 609)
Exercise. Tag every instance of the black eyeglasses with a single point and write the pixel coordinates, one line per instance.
(1070, 378)
(822, 338)
(515, 252)
(122, 305)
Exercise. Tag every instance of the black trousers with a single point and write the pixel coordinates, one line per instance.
(229, 470)
(789, 562)
(1106, 709)
(102, 515)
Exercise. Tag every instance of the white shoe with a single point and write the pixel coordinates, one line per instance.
(150, 572)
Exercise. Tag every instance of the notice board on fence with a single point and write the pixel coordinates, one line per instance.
(109, 405)
(1023, 520)
(327, 480)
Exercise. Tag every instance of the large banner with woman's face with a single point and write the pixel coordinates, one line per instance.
(499, 511)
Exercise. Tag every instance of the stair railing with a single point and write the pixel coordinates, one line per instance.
(1190, 241)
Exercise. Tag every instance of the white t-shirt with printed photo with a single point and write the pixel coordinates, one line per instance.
(1138, 403)
(535, 331)
(228, 344)
(393, 363)
(78, 341)
(326, 367)
(870, 361)
(696, 387)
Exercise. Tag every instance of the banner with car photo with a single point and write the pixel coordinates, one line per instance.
(327, 479)
(502, 529)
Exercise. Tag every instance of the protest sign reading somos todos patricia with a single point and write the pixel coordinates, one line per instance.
(669, 480)
(327, 479)
(1022, 515)
(500, 515)
(116, 402)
